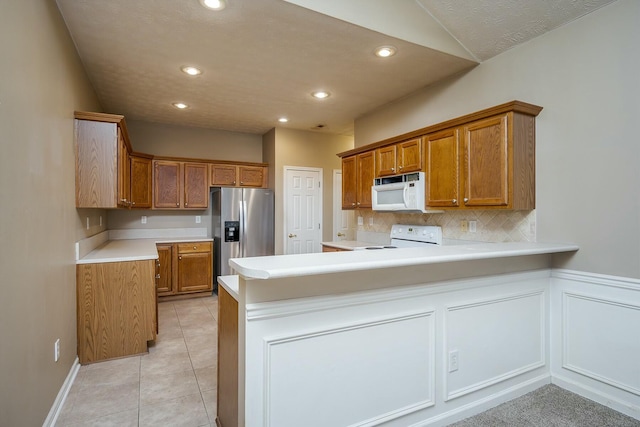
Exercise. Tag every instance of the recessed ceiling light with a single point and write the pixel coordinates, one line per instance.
(214, 4)
(321, 94)
(192, 71)
(283, 120)
(180, 105)
(385, 51)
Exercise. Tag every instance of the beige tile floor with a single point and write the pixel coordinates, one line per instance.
(173, 385)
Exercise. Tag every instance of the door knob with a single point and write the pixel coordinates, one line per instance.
(341, 234)
(291, 236)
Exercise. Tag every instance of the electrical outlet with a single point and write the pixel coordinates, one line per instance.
(56, 350)
(198, 219)
(370, 220)
(87, 223)
(360, 220)
(143, 219)
(472, 226)
(453, 360)
(100, 220)
(464, 226)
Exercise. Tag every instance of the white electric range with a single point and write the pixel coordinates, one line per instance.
(410, 236)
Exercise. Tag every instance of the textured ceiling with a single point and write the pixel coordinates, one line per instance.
(262, 58)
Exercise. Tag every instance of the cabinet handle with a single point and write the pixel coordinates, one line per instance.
(358, 203)
(186, 204)
(454, 201)
(157, 276)
(241, 182)
(194, 247)
(393, 169)
(178, 204)
(400, 167)
(353, 204)
(466, 200)
(179, 257)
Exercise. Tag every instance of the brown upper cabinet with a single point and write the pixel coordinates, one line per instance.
(485, 164)
(399, 158)
(141, 178)
(237, 175)
(180, 185)
(103, 161)
(484, 160)
(357, 179)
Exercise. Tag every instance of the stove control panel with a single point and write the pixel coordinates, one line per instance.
(418, 233)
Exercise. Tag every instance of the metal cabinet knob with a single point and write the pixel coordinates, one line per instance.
(241, 182)
(157, 276)
(291, 236)
(466, 200)
(358, 203)
(178, 204)
(393, 169)
(194, 247)
(179, 257)
(454, 201)
(400, 167)
(353, 204)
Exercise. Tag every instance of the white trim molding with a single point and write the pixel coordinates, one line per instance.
(56, 408)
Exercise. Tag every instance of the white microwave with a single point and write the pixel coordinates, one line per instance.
(404, 192)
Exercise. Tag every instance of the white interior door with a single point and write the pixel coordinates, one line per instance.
(303, 210)
(343, 223)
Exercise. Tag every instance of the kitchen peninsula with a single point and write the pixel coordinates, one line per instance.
(399, 336)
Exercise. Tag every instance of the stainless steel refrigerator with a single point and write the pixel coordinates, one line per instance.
(243, 225)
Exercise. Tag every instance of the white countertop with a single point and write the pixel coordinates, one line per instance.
(131, 249)
(281, 266)
(349, 245)
(230, 284)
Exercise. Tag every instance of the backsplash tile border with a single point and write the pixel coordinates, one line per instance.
(491, 225)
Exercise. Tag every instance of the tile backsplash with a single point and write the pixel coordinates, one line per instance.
(491, 225)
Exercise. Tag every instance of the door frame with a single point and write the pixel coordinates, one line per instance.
(285, 198)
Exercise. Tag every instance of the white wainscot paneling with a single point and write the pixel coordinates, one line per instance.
(601, 339)
(496, 339)
(354, 375)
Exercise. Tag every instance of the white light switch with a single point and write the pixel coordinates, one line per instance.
(143, 219)
(198, 219)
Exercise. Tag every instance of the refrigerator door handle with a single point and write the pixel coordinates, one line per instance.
(243, 209)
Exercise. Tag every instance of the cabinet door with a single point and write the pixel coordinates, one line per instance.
(194, 270)
(166, 187)
(164, 270)
(349, 182)
(409, 155)
(196, 186)
(486, 172)
(223, 175)
(140, 182)
(252, 176)
(442, 168)
(366, 170)
(96, 165)
(124, 172)
(386, 161)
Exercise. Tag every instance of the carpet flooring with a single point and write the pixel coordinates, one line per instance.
(549, 406)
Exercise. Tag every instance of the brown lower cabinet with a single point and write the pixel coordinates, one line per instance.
(326, 248)
(116, 309)
(227, 360)
(184, 268)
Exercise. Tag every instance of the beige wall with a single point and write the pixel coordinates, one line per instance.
(42, 84)
(180, 141)
(308, 149)
(584, 74)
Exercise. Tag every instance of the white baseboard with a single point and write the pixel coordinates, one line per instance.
(55, 410)
(597, 396)
(481, 405)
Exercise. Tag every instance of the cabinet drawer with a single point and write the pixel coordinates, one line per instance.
(185, 248)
